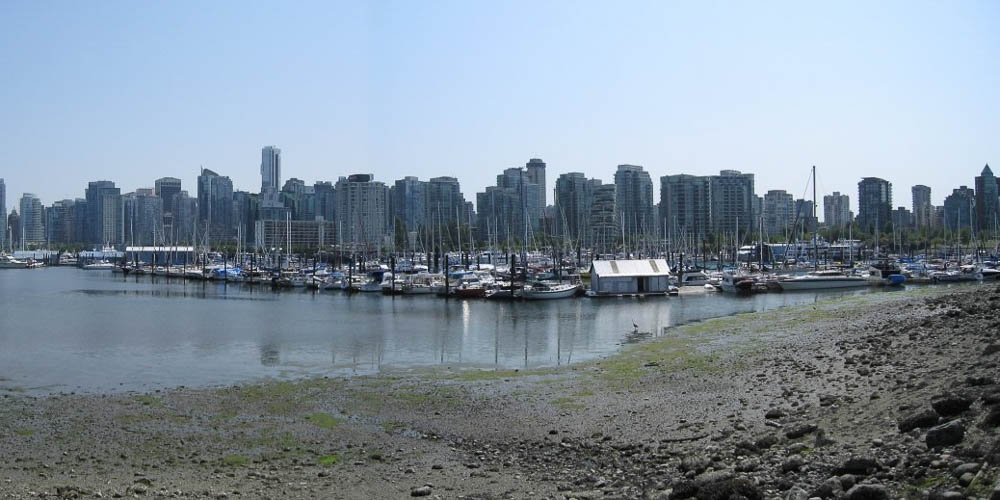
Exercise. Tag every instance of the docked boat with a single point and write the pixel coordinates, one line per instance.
(8, 262)
(886, 274)
(693, 278)
(822, 280)
(546, 291)
(99, 266)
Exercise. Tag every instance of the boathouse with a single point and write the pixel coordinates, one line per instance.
(629, 277)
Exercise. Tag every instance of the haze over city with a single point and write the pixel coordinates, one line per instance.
(134, 92)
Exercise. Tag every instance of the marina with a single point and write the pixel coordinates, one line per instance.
(65, 329)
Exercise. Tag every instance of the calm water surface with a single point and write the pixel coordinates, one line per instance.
(64, 329)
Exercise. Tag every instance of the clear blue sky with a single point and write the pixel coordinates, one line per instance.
(133, 91)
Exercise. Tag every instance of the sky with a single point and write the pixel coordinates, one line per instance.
(133, 91)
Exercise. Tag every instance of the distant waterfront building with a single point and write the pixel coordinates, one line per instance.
(987, 200)
(270, 172)
(605, 234)
(408, 197)
(362, 211)
(215, 208)
(805, 214)
(144, 218)
(167, 189)
(779, 213)
(3, 215)
(685, 207)
(634, 199)
(938, 216)
(301, 234)
(874, 203)
(59, 223)
(445, 199)
(536, 175)
(299, 198)
(509, 208)
(923, 211)
(14, 227)
(901, 219)
(105, 216)
(959, 209)
(246, 207)
(326, 200)
(573, 198)
(732, 202)
(32, 223)
(186, 218)
(836, 210)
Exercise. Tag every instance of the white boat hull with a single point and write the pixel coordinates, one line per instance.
(822, 284)
(529, 294)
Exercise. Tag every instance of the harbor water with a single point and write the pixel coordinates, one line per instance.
(69, 330)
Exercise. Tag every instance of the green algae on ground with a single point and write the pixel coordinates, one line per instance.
(235, 460)
(328, 460)
(323, 420)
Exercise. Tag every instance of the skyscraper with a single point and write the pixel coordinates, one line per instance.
(14, 226)
(326, 201)
(105, 219)
(3, 215)
(987, 200)
(634, 199)
(732, 200)
(215, 207)
(270, 170)
(836, 210)
(445, 199)
(408, 199)
(144, 218)
(362, 211)
(604, 219)
(510, 208)
(167, 189)
(574, 195)
(959, 209)
(536, 175)
(923, 211)
(685, 207)
(59, 223)
(805, 213)
(779, 213)
(874, 203)
(32, 226)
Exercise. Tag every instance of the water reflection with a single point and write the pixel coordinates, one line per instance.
(96, 331)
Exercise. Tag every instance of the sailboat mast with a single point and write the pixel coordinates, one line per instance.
(815, 243)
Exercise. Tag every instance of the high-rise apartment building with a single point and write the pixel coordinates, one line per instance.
(836, 210)
(445, 200)
(59, 223)
(779, 214)
(987, 200)
(874, 203)
(32, 222)
(105, 217)
(634, 199)
(732, 202)
(536, 175)
(685, 207)
(923, 211)
(901, 219)
(14, 226)
(215, 207)
(362, 211)
(605, 234)
(959, 209)
(511, 208)
(408, 197)
(270, 171)
(167, 189)
(186, 219)
(805, 215)
(573, 198)
(326, 200)
(144, 219)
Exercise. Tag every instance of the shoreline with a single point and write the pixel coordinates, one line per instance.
(710, 405)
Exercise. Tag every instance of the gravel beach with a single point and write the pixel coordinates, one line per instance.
(876, 396)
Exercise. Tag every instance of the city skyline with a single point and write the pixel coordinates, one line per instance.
(462, 90)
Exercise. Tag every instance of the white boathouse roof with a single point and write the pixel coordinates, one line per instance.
(629, 268)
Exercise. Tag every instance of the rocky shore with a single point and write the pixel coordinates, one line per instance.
(890, 395)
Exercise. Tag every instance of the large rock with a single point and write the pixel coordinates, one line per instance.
(996, 491)
(949, 404)
(867, 492)
(729, 489)
(921, 420)
(800, 430)
(992, 419)
(859, 466)
(947, 434)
